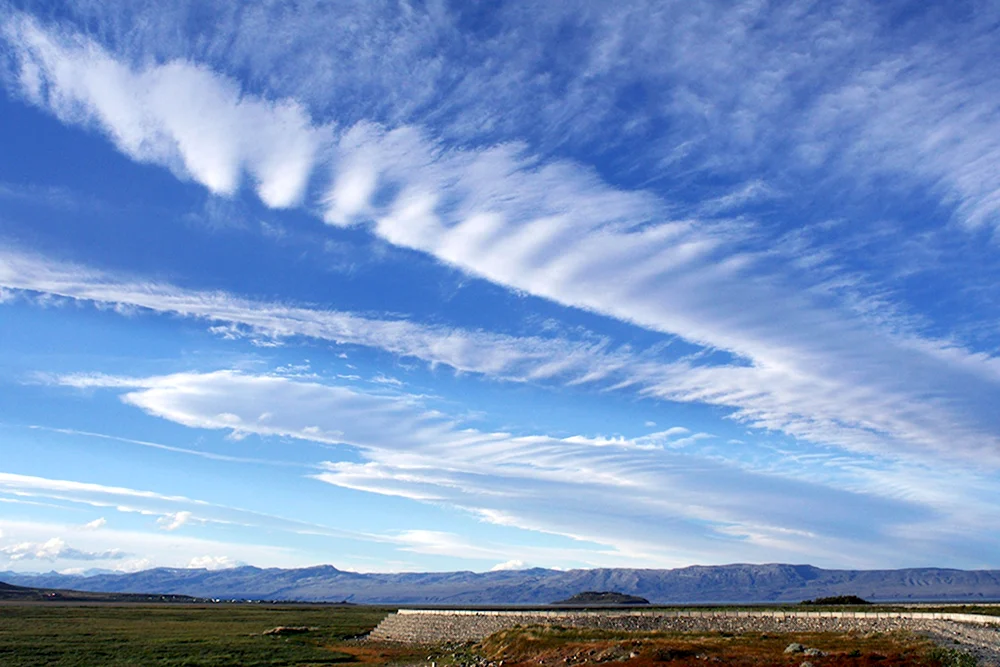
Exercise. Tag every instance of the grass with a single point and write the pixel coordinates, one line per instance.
(177, 635)
(949, 657)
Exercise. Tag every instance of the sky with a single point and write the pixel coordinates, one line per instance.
(429, 286)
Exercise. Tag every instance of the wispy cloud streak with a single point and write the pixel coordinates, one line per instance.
(177, 115)
(172, 511)
(641, 493)
(840, 383)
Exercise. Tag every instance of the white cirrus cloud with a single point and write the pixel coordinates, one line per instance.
(709, 86)
(659, 503)
(172, 511)
(719, 89)
(927, 110)
(844, 384)
(504, 356)
(803, 361)
(53, 488)
(177, 114)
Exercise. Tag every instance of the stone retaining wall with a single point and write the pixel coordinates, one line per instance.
(433, 625)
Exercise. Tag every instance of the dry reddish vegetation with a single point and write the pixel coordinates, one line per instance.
(558, 646)
(379, 654)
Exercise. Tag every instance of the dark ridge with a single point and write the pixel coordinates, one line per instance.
(10, 588)
(602, 598)
(837, 599)
(9, 592)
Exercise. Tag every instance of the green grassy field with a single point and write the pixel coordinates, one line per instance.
(45, 634)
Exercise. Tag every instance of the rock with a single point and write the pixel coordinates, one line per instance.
(795, 647)
(287, 630)
(814, 652)
(806, 664)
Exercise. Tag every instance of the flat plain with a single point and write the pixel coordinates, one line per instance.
(173, 634)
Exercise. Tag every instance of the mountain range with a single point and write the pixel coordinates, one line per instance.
(740, 583)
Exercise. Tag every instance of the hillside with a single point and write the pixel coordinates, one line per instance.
(698, 584)
(12, 593)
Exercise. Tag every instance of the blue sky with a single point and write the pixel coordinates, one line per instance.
(420, 286)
